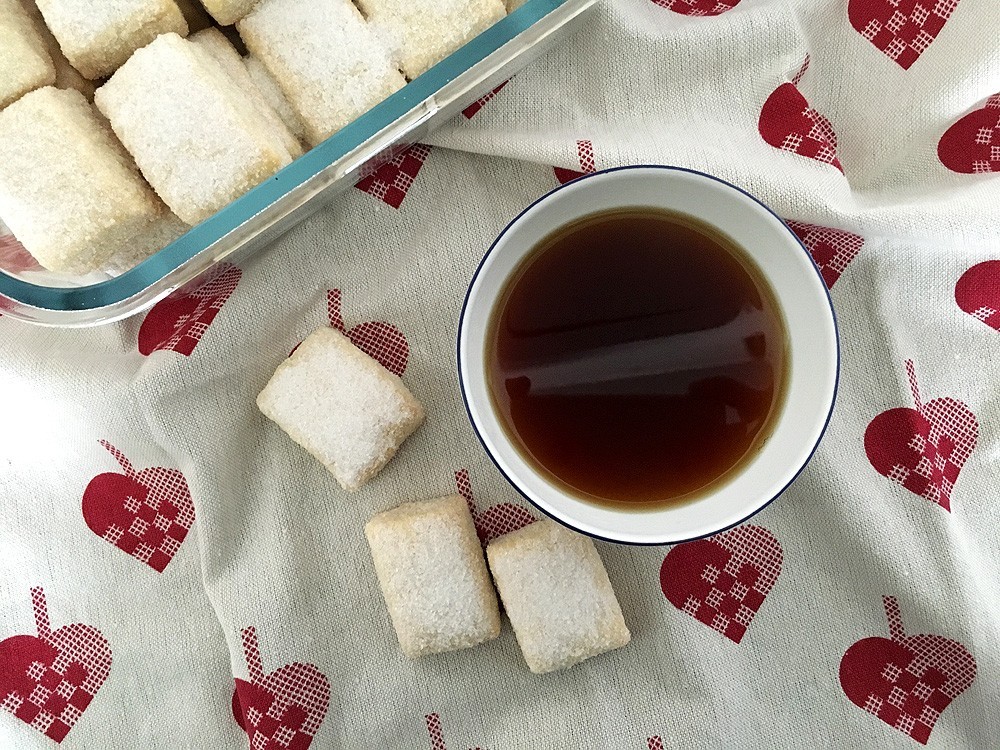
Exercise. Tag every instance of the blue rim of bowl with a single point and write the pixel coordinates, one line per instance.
(514, 484)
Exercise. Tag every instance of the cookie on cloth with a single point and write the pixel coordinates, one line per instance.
(556, 592)
(342, 406)
(433, 576)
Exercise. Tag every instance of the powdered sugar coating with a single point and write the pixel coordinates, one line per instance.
(424, 32)
(326, 59)
(68, 191)
(67, 77)
(557, 594)
(98, 37)
(25, 64)
(221, 50)
(433, 576)
(274, 96)
(228, 12)
(341, 405)
(152, 239)
(196, 137)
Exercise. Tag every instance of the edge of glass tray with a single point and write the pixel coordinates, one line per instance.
(270, 204)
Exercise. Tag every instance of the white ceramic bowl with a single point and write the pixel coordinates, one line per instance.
(814, 354)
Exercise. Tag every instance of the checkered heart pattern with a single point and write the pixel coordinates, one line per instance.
(381, 341)
(588, 163)
(146, 514)
(470, 111)
(972, 145)
(902, 29)
(284, 709)
(698, 7)
(787, 122)
(496, 520)
(436, 734)
(391, 181)
(723, 581)
(696, 77)
(178, 322)
(906, 681)
(49, 681)
(831, 249)
(923, 449)
(978, 292)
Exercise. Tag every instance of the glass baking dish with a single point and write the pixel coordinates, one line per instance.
(252, 221)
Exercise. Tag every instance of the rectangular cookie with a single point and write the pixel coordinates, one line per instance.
(430, 566)
(274, 96)
(98, 37)
(341, 405)
(68, 191)
(328, 62)
(214, 42)
(228, 12)
(150, 240)
(557, 595)
(25, 64)
(67, 77)
(424, 32)
(197, 138)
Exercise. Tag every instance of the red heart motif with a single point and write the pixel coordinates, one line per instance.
(831, 249)
(393, 179)
(585, 153)
(654, 743)
(906, 681)
(496, 520)
(178, 322)
(923, 449)
(436, 734)
(145, 513)
(723, 581)
(477, 105)
(902, 29)
(381, 341)
(48, 681)
(972, 145)
(978, 292)
(788, 123)
(698, 7)
(281, 710)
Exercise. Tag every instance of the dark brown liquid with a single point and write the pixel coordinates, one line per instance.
(637, 357)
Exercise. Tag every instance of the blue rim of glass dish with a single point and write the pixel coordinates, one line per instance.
(174, 255)
(513, 482)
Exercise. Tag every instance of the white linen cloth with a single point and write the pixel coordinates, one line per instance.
(273, 583)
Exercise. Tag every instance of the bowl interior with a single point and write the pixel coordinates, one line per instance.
(813, 354)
